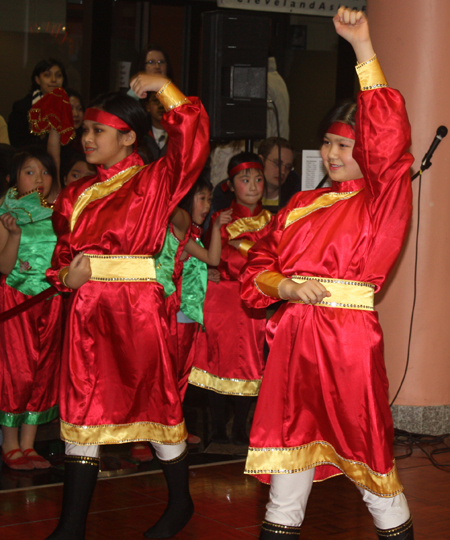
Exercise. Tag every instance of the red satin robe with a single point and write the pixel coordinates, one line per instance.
(230, 354)
(118, 381)
(324, 397)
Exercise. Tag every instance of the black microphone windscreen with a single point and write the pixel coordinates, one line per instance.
(442, 131)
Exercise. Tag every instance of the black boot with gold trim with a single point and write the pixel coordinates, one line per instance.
(403, 532)
(180, 507)
(274, 531)
(80, 477)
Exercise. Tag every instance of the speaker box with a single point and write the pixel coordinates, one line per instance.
(234, 74)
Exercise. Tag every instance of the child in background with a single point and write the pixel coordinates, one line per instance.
(323, 408)
(229, 358)
(181, 267)
(77, 168)
(31, 341)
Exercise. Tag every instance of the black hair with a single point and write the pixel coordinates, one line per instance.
(73, 93)
(203, 182)
(36, 152)
(6, 155)
(155, 47)
(130, 111)
(43, 66)
(344, 111)
(267, 145)
(243, 157)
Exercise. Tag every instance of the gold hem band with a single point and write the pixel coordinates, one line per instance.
(120, 268)
(314, 454)
(222, 385)
(123, 433)
(345, 294)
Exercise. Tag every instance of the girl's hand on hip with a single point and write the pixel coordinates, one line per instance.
(79, 272)
(309, 292)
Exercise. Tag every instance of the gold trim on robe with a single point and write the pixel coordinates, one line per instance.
(324, 201)
(301, 458)
(100, 190)
(123, 433)
(248, 224)
(136, 268)
(222, 385)
(344, 294)
(244, 246)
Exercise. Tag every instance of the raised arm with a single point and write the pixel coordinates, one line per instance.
(187, 125)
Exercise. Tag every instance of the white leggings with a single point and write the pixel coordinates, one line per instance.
(164, 452)
(289, 495)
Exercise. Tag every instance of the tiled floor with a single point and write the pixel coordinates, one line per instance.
(229, 505)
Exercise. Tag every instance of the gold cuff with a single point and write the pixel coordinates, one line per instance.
(244, 246)
(62, 276)
(171, 97)
(268, 283)
(371, 75)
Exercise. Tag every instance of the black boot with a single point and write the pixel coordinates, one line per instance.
(242, 406)
(218, 408)
(180, 506)
(403, 532)
(80, 476)
(273, 531)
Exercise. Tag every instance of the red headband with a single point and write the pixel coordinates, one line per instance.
(244, 166)
(107, 119)
(344, 130)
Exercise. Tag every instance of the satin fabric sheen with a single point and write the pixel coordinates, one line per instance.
(232, 347)
(31, 341)
(117, 367)
(325, 378)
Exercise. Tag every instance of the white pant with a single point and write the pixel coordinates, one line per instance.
(289, 496)
(164, 452)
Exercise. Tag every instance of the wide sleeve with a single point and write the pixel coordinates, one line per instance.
(383, 136)
(62, 256)
(261, 275)
(187, 125)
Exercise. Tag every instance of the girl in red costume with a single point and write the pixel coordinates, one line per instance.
(229, 357)
(118, 382)
(31, 341)
(323, 408)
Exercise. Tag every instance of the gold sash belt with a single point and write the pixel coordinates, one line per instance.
(122, 267)
(344, 294)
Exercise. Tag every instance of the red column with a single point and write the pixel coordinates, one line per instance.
(412, 40)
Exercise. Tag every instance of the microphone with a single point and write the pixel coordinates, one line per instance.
(440, 134)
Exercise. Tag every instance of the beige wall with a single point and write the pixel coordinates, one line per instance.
(412, 40)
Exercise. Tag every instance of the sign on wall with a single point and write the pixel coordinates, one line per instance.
(326, 8)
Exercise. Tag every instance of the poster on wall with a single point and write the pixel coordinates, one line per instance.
(326, 8)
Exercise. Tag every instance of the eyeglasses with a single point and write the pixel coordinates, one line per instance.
(286, 166)
(153, 62)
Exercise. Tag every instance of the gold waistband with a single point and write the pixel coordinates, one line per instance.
(122, 267)
(344, 294)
